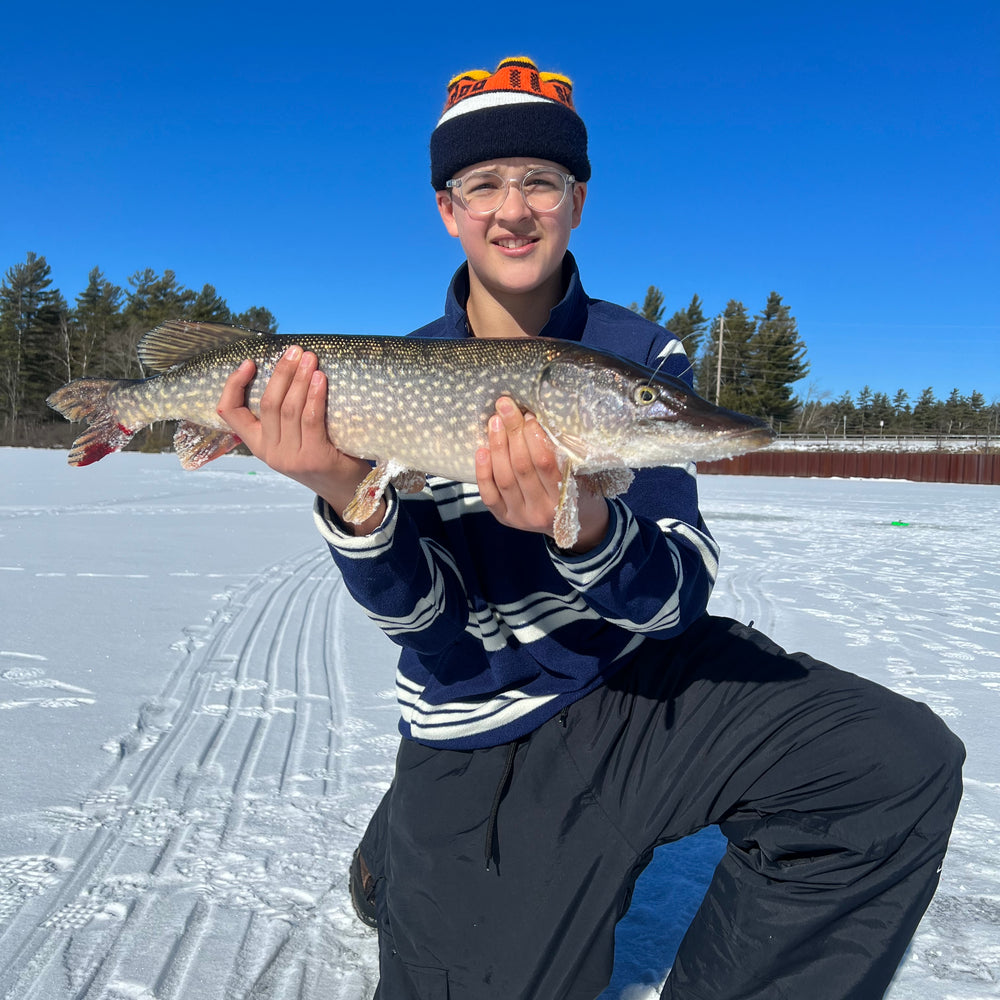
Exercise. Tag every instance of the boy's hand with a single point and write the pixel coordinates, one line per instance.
(290, 435)
(519, 478)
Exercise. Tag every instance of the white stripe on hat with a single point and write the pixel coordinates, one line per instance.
(493, 99)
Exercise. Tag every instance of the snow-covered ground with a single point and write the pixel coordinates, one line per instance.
(979, 444)
(196, 721)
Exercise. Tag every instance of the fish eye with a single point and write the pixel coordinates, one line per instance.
(645, 394)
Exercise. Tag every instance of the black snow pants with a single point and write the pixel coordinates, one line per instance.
(501, 873)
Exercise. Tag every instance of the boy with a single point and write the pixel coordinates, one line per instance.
(564, 712)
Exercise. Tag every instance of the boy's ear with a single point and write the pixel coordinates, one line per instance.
(447, 209)
(579, 197)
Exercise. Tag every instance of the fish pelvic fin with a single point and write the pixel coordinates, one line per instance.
(611, 482)
(409, 481)
(91, 399)
(196, 444)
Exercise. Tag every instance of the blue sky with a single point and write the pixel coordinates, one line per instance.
(844, 155)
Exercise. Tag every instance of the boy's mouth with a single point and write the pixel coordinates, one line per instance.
(514, 242)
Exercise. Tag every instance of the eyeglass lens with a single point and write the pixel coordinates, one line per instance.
(484, 192)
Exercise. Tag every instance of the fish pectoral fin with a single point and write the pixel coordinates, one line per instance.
(409, 481)
(196, 444)
(566, 527)
(370, 492)
(611, 482)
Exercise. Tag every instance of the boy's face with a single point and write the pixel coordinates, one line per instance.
(514, 250)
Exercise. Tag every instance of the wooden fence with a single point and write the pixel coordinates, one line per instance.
(919, 466)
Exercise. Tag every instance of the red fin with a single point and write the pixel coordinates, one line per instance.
(93, 400)
(93, 446)
(196, 444)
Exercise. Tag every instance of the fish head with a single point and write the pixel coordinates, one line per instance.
(603, 411)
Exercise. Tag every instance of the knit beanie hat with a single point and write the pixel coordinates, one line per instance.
(516, 111)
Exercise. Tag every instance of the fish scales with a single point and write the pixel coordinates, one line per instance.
(425, 403)
(420, 406)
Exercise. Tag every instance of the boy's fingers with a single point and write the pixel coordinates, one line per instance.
(232, 403)
(516, 446)
(496, 438)
(314, 414)
(543, 455)
(488, 491)
(295, 400)
(277, 385)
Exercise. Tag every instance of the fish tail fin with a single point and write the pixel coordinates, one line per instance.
(91, 399)
(196, 444)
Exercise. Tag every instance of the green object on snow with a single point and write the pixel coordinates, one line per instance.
(900, 524)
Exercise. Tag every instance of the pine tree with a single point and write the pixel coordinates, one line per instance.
(957, 413)
(863, 409)
(97, 326)
(257, 318)
(843, 415)
(737, 390)
(777, 361)
(209, 307)
(902, 417)
(652, 306)
(153, 299)
(30, 314)
(156, 298)
(881, 413)
(689, 325)
(926, 412)
(978, 423)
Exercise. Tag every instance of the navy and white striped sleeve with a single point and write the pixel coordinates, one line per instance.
(648, 576)
(406, 583)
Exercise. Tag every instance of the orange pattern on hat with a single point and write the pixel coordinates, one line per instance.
(518, 75)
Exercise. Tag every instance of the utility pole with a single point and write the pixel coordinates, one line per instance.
(718, 369)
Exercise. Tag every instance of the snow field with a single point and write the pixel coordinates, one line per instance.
(197, 721)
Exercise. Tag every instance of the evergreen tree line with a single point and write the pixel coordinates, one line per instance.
(763, 357)
(45, 342)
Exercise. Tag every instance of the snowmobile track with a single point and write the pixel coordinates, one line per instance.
(221, 829)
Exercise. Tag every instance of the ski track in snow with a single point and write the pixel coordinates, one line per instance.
(211, 859)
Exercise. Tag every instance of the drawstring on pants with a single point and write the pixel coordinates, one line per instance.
(504, 783)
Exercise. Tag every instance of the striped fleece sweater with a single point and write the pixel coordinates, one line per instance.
(499, 629)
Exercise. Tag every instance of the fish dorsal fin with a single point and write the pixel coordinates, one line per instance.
(178, 340)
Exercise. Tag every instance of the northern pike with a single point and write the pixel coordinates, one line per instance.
(420, 407)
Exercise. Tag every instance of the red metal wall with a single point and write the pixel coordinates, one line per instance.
(919, 466)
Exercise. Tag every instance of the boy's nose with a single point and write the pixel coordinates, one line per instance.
(514, 206)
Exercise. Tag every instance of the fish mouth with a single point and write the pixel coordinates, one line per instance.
(711, 432)
(755, 432)
(700, 415)
(754, 437)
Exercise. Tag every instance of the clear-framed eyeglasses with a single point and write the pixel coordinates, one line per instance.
(482, 192)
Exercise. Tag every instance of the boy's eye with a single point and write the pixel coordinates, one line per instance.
(541, 182)
(482, 184)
